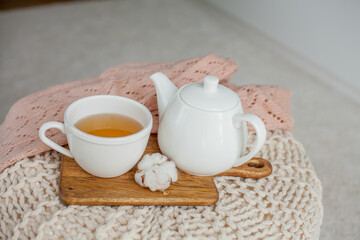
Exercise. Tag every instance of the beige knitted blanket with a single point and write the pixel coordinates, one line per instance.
(285, 205)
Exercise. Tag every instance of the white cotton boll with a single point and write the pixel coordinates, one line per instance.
(150, 160)
(145, 162)
(156, 172)
(173, 172)
(138, 177)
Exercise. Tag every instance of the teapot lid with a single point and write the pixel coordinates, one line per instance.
(209, 95)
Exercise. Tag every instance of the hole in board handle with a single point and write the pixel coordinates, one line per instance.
(256, 164)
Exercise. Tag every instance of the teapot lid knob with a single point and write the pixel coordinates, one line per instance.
(211, 83)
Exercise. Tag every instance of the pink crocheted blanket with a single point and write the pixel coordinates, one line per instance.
(19, 132)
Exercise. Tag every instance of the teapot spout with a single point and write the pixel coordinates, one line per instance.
(165, 90)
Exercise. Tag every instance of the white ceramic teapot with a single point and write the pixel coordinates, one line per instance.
(202, 126)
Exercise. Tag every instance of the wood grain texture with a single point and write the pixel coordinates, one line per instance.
(78, 187)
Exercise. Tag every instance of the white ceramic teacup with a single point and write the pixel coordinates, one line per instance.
(102, 156)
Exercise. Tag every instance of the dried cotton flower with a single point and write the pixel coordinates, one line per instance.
(156, 172)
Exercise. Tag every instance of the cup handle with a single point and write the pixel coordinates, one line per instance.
(257, 123)
(50, 143)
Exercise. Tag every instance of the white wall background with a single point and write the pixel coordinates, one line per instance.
(326, 32)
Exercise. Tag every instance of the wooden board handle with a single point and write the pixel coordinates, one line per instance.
(254, 168)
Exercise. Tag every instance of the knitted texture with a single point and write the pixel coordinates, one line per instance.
(19, 132)
(285, 205)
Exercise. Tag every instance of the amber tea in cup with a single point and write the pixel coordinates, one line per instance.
(109, 125)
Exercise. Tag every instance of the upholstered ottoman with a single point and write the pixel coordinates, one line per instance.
(285, 205)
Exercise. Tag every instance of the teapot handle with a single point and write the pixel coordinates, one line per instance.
(257, 123)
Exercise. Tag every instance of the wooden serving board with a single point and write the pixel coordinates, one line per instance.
(78, 187)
